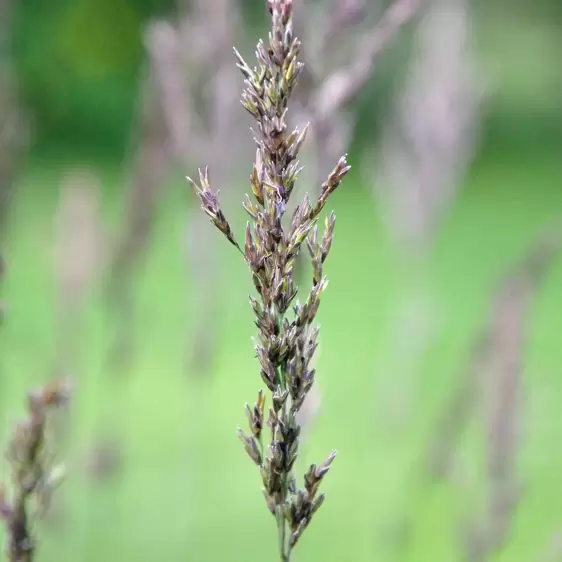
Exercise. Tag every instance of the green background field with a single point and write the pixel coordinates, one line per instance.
(186, 490)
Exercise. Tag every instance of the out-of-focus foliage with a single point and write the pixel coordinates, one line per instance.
(79, 62)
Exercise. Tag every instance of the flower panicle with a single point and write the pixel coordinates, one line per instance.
(287, 334)
(34, 475)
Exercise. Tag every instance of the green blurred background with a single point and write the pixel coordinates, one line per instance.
(185, 490)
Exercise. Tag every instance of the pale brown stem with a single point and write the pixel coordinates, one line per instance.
(343, 85)
(208, 133)
(503, 397)
(493, 373)
(13, 126)
(152, 162)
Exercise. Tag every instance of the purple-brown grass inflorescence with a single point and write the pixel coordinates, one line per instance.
(287, 338)
(34, 476)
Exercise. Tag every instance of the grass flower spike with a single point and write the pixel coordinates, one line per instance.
(287, 338)
(34, 476)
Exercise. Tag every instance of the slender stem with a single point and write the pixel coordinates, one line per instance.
(281, 532)
(20, 542)
(284, 549)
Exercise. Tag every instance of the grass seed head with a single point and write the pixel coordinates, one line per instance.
(287, 336)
